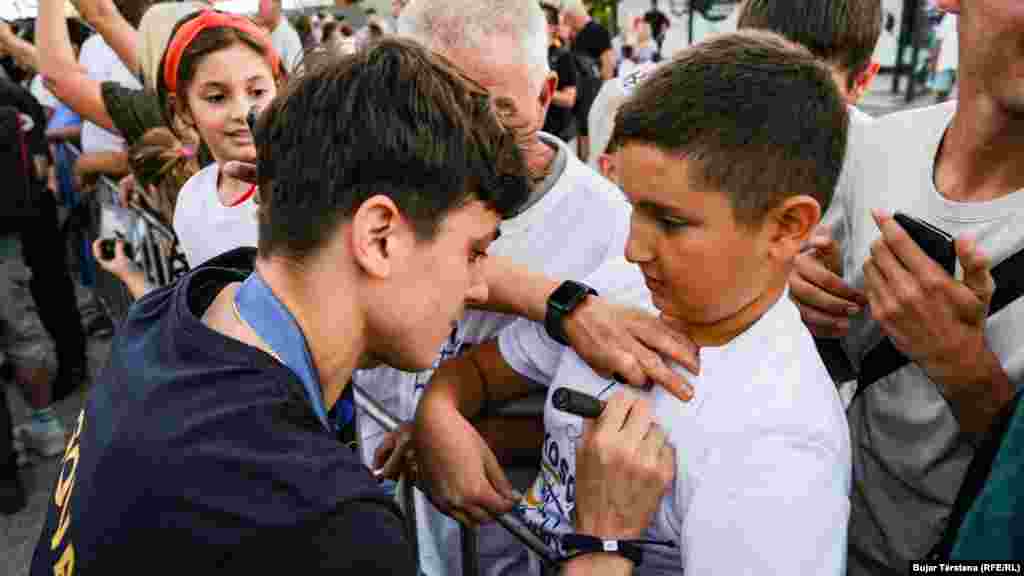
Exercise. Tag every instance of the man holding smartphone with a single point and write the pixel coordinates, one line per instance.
(937, 355)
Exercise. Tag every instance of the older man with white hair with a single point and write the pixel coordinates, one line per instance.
(572, 222)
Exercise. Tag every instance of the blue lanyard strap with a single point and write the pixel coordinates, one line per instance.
(272, 322)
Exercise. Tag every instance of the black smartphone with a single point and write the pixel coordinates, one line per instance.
(935, 242)
(108, 249)
(578, 403)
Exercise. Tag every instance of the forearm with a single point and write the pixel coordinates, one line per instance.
(565, 98)
(982, 389)
(456, 384)
(608, 65)
(598, 565)
(474, 380)
(119, 34)
(514, 289)
(53, 43)
(111, 163)
(64, 77)
(64, 133)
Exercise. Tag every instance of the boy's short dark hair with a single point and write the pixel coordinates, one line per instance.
(759, 116)
(843, 33)
(394, 119)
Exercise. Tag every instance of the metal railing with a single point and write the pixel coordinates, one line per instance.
(470, 551)
(156, 246)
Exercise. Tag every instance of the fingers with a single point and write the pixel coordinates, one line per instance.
(244, 171)
(826, 282)
(811, 294)
(613, 417)
(822, 324)
(977, 267)
(638, 423)
(666, 338)
(658, 454)
(904, 248)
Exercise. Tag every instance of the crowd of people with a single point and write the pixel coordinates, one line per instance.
(801, 323)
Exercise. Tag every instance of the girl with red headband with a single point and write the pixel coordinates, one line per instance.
(214, 69)
(217, 68)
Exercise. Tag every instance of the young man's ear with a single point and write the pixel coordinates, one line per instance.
(379, 237)
(862, 82)
(792, 223)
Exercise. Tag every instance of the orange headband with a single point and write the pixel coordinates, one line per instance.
(188, 31)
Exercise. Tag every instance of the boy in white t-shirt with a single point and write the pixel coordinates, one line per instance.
(725, 189)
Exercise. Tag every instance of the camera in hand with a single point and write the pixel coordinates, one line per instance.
(108, 249)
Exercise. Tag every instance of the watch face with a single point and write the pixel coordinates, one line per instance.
(565, 296)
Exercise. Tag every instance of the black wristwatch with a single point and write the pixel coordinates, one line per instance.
(561, 303)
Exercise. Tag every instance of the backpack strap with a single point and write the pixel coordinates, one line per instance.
(884, 358)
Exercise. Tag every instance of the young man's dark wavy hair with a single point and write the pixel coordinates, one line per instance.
(843, 33)
(761, 118)
(394, 119)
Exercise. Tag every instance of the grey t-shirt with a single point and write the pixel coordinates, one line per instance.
(909, 457)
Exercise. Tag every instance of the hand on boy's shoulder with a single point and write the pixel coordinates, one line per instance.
(816, 285)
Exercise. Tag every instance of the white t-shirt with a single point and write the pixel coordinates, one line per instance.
(860, 123)
(762, 451)
(909, 457)
(207, 228)
(103, 65)
(582, 221)
(288, 44)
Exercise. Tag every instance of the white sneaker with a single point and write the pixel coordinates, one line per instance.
(46, 443)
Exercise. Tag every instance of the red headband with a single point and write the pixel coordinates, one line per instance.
(188, 31)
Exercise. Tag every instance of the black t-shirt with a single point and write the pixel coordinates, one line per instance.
(24, 157)
(560, 121)
(198, 454)
(593, 41)
(658, 21)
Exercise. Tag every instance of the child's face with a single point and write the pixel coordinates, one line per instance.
(699, 263)
(226, 85)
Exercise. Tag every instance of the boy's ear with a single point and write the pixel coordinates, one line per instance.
(793, 222)
(862, 83)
